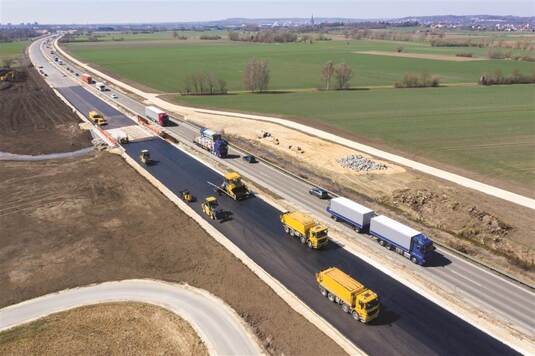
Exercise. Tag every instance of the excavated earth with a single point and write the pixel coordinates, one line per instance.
(73, 222)
(33, 120)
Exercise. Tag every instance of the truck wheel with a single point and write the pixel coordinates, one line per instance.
(286, 229)
(323, 291)
(414, 260)
(303, 239)
(345, 308)
(309, 244)
(355, 315)
(291, 232)
(330, 297)
(381, 242)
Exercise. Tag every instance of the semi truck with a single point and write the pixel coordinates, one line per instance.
(212, 142)
(87, 78)
(403, 239)
(156, 115)
(306, 229)
(362, 303)
(350, 212)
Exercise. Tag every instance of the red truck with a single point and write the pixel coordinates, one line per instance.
(156, 115)
(87, 78)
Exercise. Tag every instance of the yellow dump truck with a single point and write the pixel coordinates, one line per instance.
(97, 118)
(305, 229)
(354, 298)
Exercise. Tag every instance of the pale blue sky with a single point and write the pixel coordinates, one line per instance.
(123, 11)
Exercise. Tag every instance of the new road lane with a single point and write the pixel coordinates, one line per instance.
(409, 323)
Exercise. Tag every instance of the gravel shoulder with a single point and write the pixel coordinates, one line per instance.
(113, 328)
(92, 219)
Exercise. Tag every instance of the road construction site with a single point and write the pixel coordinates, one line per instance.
(83, 220)
(170, 161)
(93, 219)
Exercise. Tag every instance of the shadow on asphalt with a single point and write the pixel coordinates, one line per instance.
(331, 246)
(230, 156)
(438, 260)
(386, 317)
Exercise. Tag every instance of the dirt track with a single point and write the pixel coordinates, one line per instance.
(79, 221)
(33, 120)
(115, 328)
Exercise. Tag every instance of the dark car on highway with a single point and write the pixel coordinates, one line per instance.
(320, 193)
(250, 158)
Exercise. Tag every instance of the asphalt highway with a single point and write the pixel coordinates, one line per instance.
(409, 323)
(216, 324)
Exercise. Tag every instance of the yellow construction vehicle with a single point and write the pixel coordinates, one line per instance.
(186, 196)
(232, 186)
(305, 228)
(144, 156)
(210, 207)
(7, 74)
(96, 118)
(362, 303)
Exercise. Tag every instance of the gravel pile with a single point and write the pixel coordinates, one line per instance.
(360, 164)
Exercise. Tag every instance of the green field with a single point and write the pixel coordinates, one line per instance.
(12, 49)
(148, 36)
(487, 130)
(164, 65)
(490, 130)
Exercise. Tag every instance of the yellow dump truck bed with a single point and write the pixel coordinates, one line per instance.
(340, 284)
(97, 118)
(298, 221)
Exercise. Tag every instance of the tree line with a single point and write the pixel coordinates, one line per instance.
(256, 78)
(439, 39)
(497, 78)
(268, 36)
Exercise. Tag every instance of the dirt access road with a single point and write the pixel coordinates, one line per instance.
(75, 222)
(114, 328)
(33, 120)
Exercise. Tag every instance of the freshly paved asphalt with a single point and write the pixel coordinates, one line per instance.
(216, 324)
(409, 323)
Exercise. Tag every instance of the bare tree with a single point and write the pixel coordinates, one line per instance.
(327, 74)
(222, 86)
(204, 84)
(175, 35)
(234, 36)
(256, 75)
(342, 74)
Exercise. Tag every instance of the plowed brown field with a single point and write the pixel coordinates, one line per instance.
(33, 120)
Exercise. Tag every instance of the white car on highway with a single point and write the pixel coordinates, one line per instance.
(114, 96)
